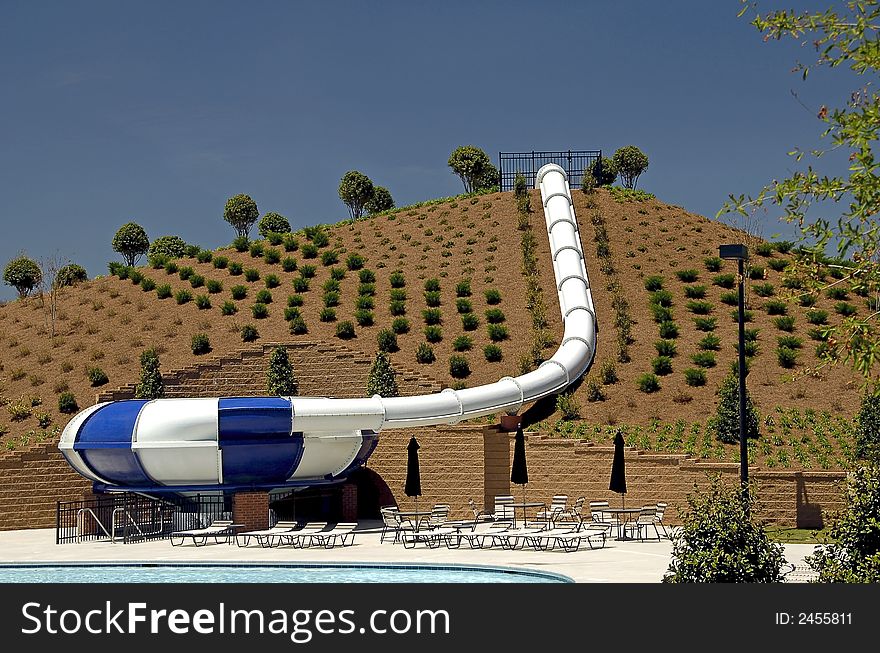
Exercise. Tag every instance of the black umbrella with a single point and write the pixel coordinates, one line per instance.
(519, 472)
(618, 468)
(413, 486)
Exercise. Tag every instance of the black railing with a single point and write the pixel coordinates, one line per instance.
(527, 164)
(131, 517)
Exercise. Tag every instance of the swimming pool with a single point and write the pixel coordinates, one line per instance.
(274, 573)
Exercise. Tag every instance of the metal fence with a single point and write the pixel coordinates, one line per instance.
(510, 164)
(128, 517)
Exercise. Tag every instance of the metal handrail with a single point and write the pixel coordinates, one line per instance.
(80, 525)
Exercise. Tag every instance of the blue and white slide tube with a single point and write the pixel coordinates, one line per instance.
(188, 445)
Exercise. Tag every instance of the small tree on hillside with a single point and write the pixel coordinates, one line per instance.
(720, 543)
(131, 241)
(382, 379)
(23, 274)
(473, 167)
(280, 381)
(381, 201)
(150, 385)
(630, 162)
(853, 553)
(355, 190)
(603, 171)
(273, 223)
(241, 212)
(726, 420)
(867, 434)
(50, 285)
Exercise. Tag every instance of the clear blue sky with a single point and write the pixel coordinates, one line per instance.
(158, 111)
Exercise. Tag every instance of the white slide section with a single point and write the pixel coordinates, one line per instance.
(571, 360)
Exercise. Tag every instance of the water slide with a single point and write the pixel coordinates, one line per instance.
(210, 444)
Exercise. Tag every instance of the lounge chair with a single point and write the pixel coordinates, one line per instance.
(439, 516)
(570, 540)
(217, 529)
(264, 537)
(480, 533)
(302, 537)
(340, 533)
(517, 537)
(574, 513)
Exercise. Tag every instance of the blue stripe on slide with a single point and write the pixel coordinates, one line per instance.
(244, 418)
(104, 443)
(266, 460)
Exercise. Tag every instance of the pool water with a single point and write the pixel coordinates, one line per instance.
(174, 573)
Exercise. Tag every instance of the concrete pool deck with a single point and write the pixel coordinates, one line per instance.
(618, 562)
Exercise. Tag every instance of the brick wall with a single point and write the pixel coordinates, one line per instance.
(463, 462)
(243, 373)
(31, 482)
(251, 510)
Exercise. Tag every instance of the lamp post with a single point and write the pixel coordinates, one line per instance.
(740, 253)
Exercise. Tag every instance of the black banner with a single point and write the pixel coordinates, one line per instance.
(320, 617)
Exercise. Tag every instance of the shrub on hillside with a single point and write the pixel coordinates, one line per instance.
(608, 373)
(250, 274)
(364, 317)
(648, 383)
(630, 163)
(67, 403)
(492, 296)
(260, 311)
(289, 264)
(228, 308)
(705, 323)
(256, 249)
(463, 306)
(329, 257)
(214, 286)
(298, 326)
(432, 316)
(492, 353)
(433, 333)
(196, 280)
(170, 247)
(719, 542)
(273, 223)
(687, 276)
(662, 365)
(203, 302)
(497, 332)
(183, 296)
(695, 292)
(235, 268)
(271, 255)
(147, 284)
(665, 348)
(400, 325)
(463, 289)
(695, 377)
(263, 297)
(668, 329)
(163, 291)
(470, 321)
(459, 368)
(220, 262)
(70, 275)
(249, 333)
(345, 330)
(200, 344)
(366, 276)
(97, 377)
(397, 280)
(432, 298)
(397, 308)
(654, 283)
(354, 262)
(300, 284)
(425, 353)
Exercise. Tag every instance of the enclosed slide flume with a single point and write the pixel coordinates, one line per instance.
(209, 444)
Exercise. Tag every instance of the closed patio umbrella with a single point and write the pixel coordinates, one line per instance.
(413, 485)
(618, 468)
(519, 472)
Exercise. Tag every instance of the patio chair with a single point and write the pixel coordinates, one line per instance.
(439, 516)
(600, 517)
(217, 529)
(302, 537)
(558, 507)
(503, 507)
(574, 513)
(340, 533)
(389, 523)
(658, 517)
(264, 537)
(646, 520)
(594, 533)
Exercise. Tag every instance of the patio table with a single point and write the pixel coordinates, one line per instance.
(621, 525)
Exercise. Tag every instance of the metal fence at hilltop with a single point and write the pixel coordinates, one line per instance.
(510, 164)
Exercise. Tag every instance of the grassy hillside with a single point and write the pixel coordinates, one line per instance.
(107, 322)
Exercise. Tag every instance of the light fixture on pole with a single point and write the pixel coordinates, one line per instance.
(740, 253)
